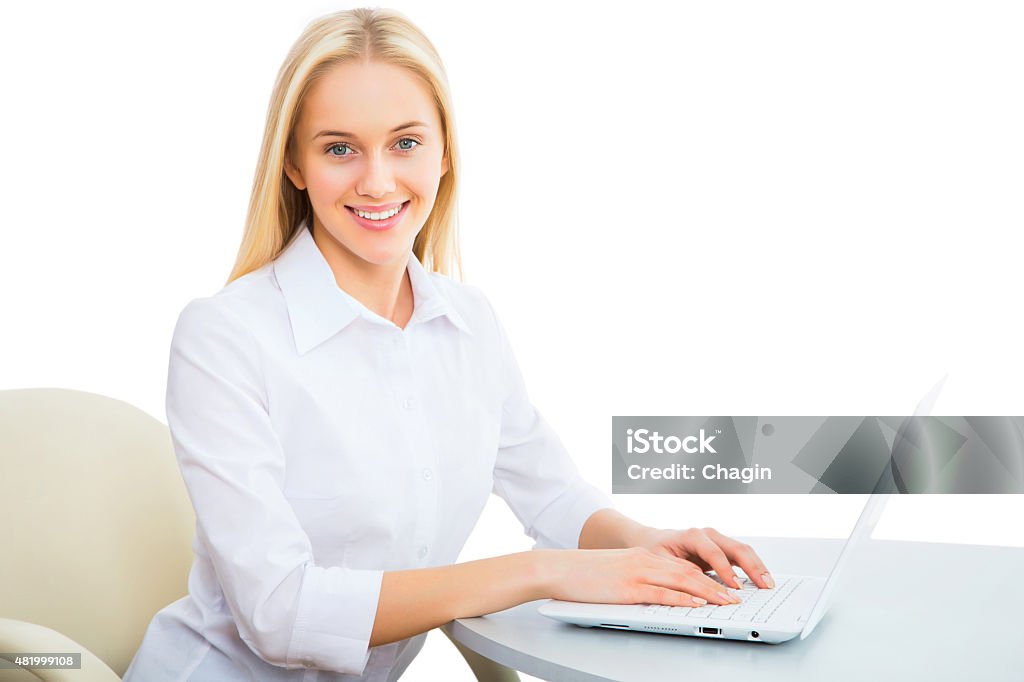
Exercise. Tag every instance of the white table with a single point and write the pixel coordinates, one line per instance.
(911, 611)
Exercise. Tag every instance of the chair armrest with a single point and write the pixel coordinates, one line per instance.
(18, 636)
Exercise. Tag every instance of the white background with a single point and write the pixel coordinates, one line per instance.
(679, 208)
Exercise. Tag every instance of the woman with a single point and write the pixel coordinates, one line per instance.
(342, 408)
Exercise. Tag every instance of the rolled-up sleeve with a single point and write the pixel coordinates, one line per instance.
(533, 472)
(289, 611)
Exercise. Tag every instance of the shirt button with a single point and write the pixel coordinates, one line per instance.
(408, 403)
(308, 662)
(422, 552)
(428, 474)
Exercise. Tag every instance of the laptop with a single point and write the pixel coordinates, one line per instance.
(792, 608)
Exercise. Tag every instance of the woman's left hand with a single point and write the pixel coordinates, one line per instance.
(710, 550)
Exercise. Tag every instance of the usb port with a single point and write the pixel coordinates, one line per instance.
(711, 631)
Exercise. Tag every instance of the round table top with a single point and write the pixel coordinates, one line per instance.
(905, 611)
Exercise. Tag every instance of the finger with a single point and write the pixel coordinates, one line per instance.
(693, 581)
(744, 556)
(710, 552)
(656, 594)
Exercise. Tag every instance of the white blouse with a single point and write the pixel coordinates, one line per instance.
(322, 445)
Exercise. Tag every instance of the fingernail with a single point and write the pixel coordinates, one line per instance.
(739, 581)
(768, 579)
(724, 596)
(698, 600)
(736, 597)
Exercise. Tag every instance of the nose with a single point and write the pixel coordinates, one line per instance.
(378, 178)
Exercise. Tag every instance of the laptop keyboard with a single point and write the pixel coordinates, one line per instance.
(756, 605)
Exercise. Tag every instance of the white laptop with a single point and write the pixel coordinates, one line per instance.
(793, 607)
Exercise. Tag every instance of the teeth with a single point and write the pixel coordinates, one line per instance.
(377, 216)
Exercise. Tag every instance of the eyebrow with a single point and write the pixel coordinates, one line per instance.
(337, 133)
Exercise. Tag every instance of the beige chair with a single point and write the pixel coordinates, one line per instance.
(97, 532)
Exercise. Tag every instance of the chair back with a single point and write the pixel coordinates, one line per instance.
(97, 523)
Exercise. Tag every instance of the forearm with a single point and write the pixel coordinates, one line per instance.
(417, 600)
(608, 529)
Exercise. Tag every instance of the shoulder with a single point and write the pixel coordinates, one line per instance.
(242, 308)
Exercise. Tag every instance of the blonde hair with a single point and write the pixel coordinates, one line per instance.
(277, 209)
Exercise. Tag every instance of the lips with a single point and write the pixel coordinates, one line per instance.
(383, 208)
(380, 225)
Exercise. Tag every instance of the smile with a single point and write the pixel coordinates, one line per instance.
(377, 216)
(379, 220)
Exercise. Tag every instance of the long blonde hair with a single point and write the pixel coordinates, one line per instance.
(277, 209)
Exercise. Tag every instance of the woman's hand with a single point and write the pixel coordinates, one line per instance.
(709, 550)
(627, 576)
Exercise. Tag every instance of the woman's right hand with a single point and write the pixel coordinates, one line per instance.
(628, 576)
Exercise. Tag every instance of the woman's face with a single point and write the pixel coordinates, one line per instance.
(369, 137)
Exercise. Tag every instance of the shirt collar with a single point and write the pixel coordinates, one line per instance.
(318, 308)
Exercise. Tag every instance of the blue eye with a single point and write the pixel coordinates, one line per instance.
(408, 139)
(336, 145)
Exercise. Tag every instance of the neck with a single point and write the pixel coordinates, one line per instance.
(384, 288)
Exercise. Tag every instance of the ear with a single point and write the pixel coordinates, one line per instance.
(293, 173)
(444, 164)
